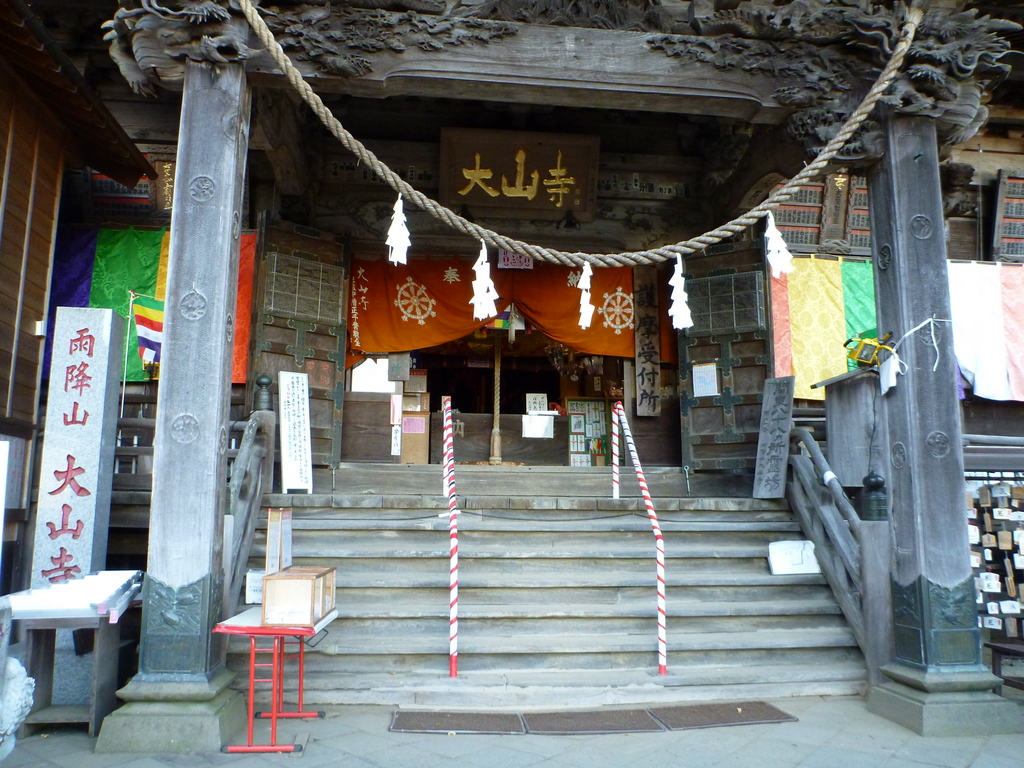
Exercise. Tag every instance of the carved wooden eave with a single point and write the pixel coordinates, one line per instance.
(565, 66)
(807, 63)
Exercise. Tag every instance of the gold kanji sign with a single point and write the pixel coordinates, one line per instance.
(519, 175)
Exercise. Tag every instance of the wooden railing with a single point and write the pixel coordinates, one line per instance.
(853, 552)
(250, 457)
(251, 474)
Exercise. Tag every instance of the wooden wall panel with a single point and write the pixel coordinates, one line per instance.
(31, 195)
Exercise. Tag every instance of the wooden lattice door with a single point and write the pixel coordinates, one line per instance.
(301, 325)
(724, 359)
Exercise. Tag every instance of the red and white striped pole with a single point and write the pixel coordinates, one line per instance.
(615, 454)
(659, 539)
(453, 539)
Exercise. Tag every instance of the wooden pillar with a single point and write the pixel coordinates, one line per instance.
(180, 662)
(937, 682)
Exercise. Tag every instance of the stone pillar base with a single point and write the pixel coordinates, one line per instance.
(959, 713)
(159, 719)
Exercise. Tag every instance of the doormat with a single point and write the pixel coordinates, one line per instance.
(592, 721)
(456, 722)
(715, 715)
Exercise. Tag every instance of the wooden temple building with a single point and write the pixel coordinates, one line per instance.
(275, 139)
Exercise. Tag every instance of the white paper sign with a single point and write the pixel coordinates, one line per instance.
(536, 402)
(992, 622)
(705, 380)
(973, 534)
(785, 557)
(1009, 606)
(296, 445)
(535, 425)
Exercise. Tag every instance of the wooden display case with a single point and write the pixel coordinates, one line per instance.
(298, 596)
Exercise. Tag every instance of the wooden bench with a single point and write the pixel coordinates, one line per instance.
(1002, 651)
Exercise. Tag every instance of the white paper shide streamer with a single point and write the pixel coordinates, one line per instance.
(398, 235)
(679, 310)
(776, 250)
(586, 308)
(484, 293)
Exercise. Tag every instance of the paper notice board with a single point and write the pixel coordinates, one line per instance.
(589, 430)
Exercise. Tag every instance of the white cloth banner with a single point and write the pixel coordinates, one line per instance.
(976, 309)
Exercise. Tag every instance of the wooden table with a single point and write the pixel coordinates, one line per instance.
(94, 602)
(248, 624)
(1002, 651)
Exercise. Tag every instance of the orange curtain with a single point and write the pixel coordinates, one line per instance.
(401, 307)
(398, 308)
(548, 297)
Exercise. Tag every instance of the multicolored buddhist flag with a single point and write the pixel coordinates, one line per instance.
(815, 309)
(103, 267)
(149, 326)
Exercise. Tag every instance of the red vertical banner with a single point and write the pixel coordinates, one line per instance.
(243, 309)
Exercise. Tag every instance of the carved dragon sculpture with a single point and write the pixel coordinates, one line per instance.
(149, 40)
(834, 50)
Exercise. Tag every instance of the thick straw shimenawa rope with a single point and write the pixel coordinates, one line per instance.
(653, 256)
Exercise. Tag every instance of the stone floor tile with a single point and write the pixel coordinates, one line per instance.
(828, 756)
(767, 753)
(954, 753)
(466, 743)
(501, 756)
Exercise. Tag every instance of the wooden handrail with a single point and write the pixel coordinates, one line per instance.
(854, 553)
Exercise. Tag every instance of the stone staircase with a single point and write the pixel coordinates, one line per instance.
(557, 593)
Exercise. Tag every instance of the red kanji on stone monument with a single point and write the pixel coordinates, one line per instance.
(83, 342)
(72, 418)
(75, 377)
(62, 571)
(67, 478)
(75, 532)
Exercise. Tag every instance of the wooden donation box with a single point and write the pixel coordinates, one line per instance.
(297, 596)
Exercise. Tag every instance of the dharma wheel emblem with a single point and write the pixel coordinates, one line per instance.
(617, 310)
(414, 303)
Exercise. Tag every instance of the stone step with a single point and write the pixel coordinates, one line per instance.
(394, 499)
(343, 639)
(527, 545)
(534, 689)
(641, 606)
(557, 592)
(717, 598)
(525, 481)
(367, 572)
(435, 660)
(611, 523)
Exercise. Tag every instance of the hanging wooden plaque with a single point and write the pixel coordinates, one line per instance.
(518, 174)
